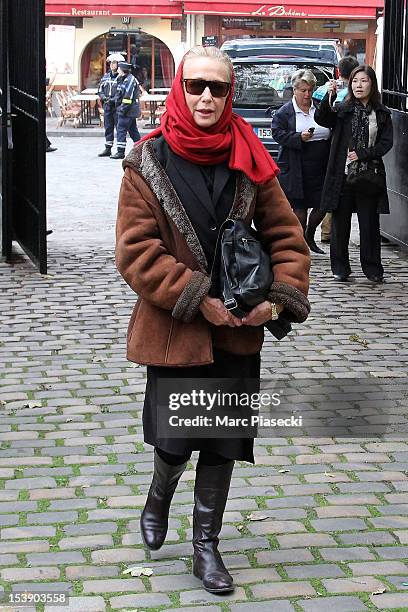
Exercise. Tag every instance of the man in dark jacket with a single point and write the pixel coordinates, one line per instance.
(107, 94)
(128, 108)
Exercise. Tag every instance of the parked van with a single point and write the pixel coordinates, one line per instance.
(263, 69)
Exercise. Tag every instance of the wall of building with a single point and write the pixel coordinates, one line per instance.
(155, 26)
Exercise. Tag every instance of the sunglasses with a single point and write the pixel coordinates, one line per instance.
(195, 87)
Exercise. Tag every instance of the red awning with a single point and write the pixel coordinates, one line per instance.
(113, 8)
(309, 9)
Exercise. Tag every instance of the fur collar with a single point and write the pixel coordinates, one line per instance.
(143, 160)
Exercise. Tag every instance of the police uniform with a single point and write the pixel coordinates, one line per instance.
(107, 93)
(128, 109)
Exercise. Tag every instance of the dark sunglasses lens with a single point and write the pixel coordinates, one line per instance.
(195, 87)
(218, 90)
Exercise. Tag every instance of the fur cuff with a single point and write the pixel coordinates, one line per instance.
(293, 300)
(189, 301)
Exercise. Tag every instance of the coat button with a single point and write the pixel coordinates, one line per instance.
(213, 228)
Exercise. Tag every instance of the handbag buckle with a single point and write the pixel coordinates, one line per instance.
(230, 304)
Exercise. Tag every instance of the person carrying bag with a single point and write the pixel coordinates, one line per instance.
(355, 179)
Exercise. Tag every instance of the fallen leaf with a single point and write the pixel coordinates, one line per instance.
(138, 570)
(3, 403)
(379, 591)
(330, 475)
(32, 405)
(257, 517)
(99, 359)
(283, 471)
(240, 527)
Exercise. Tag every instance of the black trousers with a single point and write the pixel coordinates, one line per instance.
(126, 124)
(369, 226)
(110, 119)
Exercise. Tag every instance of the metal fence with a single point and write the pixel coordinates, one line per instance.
(395, 61)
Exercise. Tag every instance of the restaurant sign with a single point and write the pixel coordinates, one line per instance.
(90, 12)
(278, 11)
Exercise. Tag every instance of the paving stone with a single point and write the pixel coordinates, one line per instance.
(81, 572)
(338, 524)
(342, 511)
(119, 585)
(387, 601)
(346, 554)
(380, 568)
(14, 533)
(305, 540)
(361, 584)
(367, 537)
(16, 574)
(282, 589)
(284, 556)
(52, 517)
(200, 596)
(265, 527)
(170, 583)
(80, 604)
(148, 600)
(265, 606)
(117, 555)
(334, 604)
(321, 570)
(392, 552)
(55, 558)
(86, 541)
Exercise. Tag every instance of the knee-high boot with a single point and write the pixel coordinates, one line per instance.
(155, 516)
(210, 496)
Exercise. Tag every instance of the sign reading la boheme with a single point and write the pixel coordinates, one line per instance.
(278, 11)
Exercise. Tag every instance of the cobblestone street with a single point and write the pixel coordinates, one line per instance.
(317, 524)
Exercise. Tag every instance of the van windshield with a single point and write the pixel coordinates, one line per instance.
(264, 85)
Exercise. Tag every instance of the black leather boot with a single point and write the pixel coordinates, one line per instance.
(119, 155)
(210, 496)
(155, 515)
(309, 237)
(107, 152)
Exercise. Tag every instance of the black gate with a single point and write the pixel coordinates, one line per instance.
(23, 186)
(395, 94)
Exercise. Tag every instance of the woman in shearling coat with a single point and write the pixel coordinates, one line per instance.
(202, 165)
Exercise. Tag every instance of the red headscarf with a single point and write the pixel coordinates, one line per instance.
(231, 138)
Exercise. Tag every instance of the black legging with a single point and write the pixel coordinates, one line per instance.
(205, 457)
(315, 218)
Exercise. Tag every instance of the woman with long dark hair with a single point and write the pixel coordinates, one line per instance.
(355, 179)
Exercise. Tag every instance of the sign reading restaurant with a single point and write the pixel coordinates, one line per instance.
(89, 13)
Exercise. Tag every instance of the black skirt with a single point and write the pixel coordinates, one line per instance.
(226, 365)
(314, 157)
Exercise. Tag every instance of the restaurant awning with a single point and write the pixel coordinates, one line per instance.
(113, 8)
(308, 9)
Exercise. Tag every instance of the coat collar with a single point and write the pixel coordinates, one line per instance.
(143, 160)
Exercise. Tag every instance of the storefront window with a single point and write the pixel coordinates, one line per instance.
(153, 63)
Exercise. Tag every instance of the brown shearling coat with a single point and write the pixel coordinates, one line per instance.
(159, 256)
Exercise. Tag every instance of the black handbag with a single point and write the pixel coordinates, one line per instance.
(241, 273)
(370, 181)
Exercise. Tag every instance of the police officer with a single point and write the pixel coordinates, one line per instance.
(107, 94)
(128, 108)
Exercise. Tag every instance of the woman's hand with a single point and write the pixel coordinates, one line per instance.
(352, 156)
(216, 313)
(332, 87)
(261, 314)
(305, 135)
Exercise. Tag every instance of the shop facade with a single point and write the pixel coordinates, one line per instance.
(352, 22)
(152, 36)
